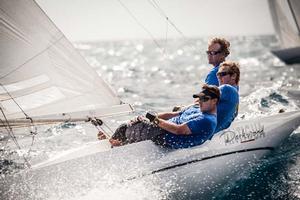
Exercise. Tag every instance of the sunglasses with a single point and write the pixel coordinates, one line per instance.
(204, 98)
(212, 53)
(221, 74)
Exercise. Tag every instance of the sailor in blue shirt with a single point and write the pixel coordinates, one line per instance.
(228, 76)
(227, 109)
(192, 126)
(218, 50)
(181, 129)
(202, 126)
(211, 78)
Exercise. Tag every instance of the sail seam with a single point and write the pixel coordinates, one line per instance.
(12, 28)
(30, 59)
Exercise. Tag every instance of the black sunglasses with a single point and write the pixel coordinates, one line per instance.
(212, 53)
(204, 98)
(223, 73)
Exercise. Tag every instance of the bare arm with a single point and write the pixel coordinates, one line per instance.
(177, 129)
(168, 115)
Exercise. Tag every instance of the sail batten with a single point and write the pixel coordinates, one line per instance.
(42, 72)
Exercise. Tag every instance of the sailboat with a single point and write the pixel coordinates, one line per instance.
(286, 18)
(44, 80)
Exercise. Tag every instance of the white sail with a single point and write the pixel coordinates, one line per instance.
(286, 20)
(41, 71)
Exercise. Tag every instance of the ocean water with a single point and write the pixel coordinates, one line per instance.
(150, 78)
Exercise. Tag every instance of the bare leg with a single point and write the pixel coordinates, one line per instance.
(101, 135)
(115, 142)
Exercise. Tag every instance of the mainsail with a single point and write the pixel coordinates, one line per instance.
(42, 75)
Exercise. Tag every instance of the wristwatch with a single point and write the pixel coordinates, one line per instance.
(156, 121)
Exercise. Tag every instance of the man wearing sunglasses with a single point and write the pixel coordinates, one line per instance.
(227, 109)
(229, 77)
(218, 50)
(182, 129)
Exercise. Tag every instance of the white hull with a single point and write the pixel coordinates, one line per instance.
(185, 173)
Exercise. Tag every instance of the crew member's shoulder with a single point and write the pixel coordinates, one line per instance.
(227, 88)
(209, 117)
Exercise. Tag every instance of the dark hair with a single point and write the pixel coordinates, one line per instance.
(223, 43)
(233, 68)
(212, 89)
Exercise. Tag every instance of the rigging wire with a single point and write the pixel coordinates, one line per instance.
(141, 25)
(4, 146)
(14, 100)
(166, 40)
(26, 115)
(168, 21)
(164, 15)
(162, 49)
(10, 130)
(12, 135)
